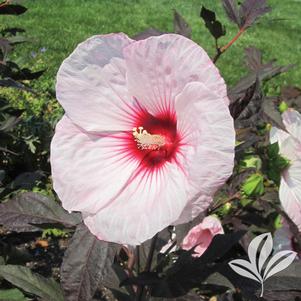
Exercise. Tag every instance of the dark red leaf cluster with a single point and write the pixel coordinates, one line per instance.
(248, 12)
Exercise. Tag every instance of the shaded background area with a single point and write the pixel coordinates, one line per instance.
(56, 27)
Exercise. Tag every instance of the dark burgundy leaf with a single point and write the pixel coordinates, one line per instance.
(2, 175)
(247, 106)
(215, 27)
(12, 30)
(290, 92)
(207, 15)
(191, 296)
(26, 211)
(12, 9)
(263, 71)
(220, 245)
(119, 296)
(147, 33)
(251, 10)
(253, 58)
(9, 82)
(27, 180)
(211, 289)
(241, 148)
(228, 296)
(292, 96)
(163, 238)
(181, 26)
(238, 179)
(117, 274)
(26, 74)
(86, 263)
(46, 288)
(271, 114)
(188, 272)
(231, 9)
(242, 100)
(14, 254)
(144, 278)
(269, 70)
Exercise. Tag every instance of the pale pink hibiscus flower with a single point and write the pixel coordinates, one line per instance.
(200, 236)
(290, 147)
(147, 137)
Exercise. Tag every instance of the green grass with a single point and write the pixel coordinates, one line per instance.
(59, 25)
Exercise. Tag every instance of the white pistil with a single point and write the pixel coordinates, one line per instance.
(146, 140)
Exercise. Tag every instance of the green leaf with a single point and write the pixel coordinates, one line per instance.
(12, 295)
(46, 288)
(54, 232)
(273, 150)
(253, 186)
(276, 163)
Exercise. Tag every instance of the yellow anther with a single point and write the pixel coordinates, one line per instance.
(146, 140)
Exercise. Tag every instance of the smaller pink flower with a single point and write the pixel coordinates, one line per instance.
(201, 235)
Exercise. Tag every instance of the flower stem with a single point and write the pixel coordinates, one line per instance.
(138, 259)
(220, 51)
(151, 254)
(222, 203)
(140, 291)
(241, 31)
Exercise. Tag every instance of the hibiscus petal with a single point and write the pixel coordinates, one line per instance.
(158, 69)
(290, 192)
(292, 122)
(213, 224)
(277, 135)
(91, 84)
(288, 145)
(208, 144)
(88, 170)
(149, 204)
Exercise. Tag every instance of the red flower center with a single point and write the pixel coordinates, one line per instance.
(155, 139)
